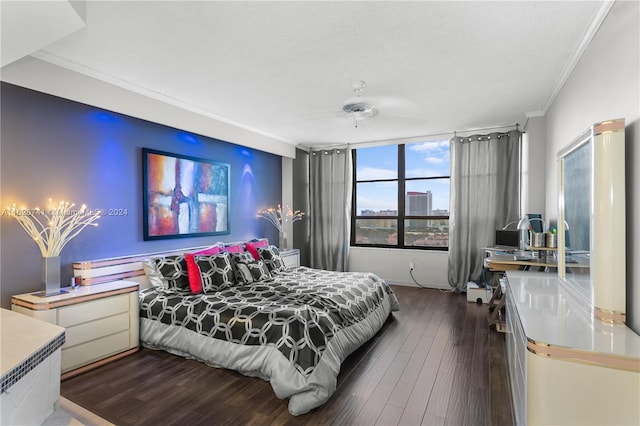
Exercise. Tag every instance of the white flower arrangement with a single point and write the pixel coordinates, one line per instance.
(279, 218)
(53, 228)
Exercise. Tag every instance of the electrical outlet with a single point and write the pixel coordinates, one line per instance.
(411, 266)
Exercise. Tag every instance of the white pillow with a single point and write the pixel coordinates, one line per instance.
(153, 273)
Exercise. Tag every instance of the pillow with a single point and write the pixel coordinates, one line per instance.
(214, 249)
(271, 257)
(216, 272)
(193, 272)
(252, 247)
(253, 271)
(153, 273)
(242, 275)
(173, 270)
(244, 257)
(236, 248)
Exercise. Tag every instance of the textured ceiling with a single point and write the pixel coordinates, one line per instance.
(284, 69)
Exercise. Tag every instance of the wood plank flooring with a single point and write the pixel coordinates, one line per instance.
(435, 362)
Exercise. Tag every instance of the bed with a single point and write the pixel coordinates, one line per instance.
(291, 326)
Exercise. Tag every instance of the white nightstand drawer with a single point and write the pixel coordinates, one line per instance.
(85, 312)
(88, 331)
(101, 322)
(94, 350)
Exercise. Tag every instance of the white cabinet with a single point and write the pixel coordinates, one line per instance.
(565, 366)
(517, 360)
(291, 257)
(101, 322)
(30, 380)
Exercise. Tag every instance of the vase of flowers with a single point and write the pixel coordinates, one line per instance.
(281, 218)
(51, 229)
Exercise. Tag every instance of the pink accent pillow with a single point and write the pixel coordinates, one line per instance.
(210, 251)
(233, 249)
(252, 247)
(193, 272)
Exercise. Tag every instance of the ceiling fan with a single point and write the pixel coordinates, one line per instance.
(357, 108)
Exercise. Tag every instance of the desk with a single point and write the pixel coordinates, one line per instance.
(510, 262)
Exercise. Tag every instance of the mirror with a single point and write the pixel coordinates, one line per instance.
(577, 198)
(574, 218)
(591, 218)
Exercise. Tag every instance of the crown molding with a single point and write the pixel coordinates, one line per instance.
(591, 31)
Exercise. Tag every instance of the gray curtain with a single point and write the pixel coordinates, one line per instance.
(330, 190)
(485, 195)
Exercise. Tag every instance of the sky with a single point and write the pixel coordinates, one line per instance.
(423, 159)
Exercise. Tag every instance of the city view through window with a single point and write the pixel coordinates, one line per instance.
(422, 208)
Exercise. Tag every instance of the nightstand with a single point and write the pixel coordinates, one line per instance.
(291, 257)
(101, 322)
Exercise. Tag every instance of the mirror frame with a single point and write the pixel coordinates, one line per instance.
(606, 291)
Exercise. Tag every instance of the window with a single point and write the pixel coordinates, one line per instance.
(401, 187)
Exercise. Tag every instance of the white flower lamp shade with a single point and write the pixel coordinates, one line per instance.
(51, 229)
(281, 219)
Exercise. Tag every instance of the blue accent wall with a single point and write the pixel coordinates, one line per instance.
(64, 150)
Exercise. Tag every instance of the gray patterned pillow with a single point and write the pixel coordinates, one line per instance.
(173, 270)
(216, 272)
(271, 257)
(242, 274)
(252, 271)
(244, 257)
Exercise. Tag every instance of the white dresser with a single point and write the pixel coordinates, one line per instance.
(565, 366)
(101, 322)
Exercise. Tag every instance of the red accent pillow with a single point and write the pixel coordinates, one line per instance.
(233, 249)
(252, 247)
(210, 251)
(193, 272)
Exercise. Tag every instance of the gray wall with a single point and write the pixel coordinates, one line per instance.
(302, 229)
(605, 85)
(534, 178)
(60, 149)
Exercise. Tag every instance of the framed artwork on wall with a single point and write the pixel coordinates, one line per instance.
(183, 196)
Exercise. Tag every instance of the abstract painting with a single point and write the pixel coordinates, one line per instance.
(184, 196)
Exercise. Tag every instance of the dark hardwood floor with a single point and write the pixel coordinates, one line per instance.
(435, 362)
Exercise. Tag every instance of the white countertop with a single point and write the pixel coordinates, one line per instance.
(551, 313)
(22, 337)
(81, 291)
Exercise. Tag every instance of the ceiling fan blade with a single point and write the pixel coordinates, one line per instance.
(391, 103)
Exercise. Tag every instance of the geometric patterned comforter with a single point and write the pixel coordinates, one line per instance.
(300, 312)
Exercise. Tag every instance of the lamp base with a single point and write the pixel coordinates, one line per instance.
(51, 275)
(44, 293)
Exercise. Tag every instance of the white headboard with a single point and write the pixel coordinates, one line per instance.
(128, 268)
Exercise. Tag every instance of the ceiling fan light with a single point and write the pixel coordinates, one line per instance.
(361, 108)
(357, 108)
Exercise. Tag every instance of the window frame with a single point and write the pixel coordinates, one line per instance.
(401, 217)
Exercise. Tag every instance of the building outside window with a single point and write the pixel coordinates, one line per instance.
(402, 187)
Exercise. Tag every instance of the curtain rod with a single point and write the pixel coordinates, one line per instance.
(517, 127)
(415, 138)
(330, 147)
